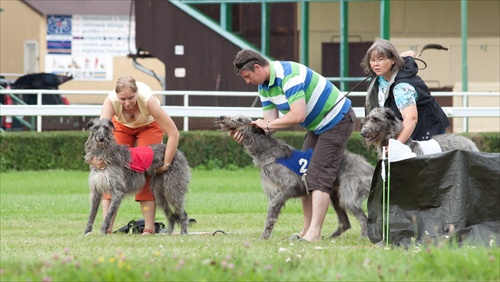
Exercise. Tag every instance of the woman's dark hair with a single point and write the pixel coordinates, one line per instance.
(382, 48)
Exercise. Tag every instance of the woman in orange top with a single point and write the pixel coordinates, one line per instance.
(139, 121)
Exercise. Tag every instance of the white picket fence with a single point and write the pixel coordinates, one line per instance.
(186, 111)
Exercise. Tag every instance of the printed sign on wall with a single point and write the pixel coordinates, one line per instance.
(59, 34)
(81, 67)
(84, 45)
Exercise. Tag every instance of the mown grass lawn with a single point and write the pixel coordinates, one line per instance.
(43, 215)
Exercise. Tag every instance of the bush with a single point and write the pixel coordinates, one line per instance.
(203, 149)
(486, 142)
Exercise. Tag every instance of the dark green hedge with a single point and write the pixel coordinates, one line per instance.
(210, 149)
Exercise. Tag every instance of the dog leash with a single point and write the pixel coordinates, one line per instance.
(428, 46)
(305, 183)
(352, 89)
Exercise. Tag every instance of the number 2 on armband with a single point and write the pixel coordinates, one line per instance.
(303, 165)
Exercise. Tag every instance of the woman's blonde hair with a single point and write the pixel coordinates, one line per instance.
(126, 82)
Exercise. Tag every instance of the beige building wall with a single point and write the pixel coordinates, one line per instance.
(414, 24)
(444, 68)
(324, 25)
(18, 24)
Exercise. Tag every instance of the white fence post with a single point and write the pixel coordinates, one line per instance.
(39, 117)
(186, 118)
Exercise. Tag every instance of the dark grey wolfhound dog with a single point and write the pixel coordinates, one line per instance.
(280, 183)
(118, 180)
(381, 125)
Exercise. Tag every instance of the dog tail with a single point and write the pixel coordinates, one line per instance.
(178, 220)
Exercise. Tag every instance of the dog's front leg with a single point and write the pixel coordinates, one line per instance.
(113, 209)
(273, 212)
(95, 200)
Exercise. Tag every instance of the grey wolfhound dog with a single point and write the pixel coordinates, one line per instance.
(280, 183)
(118, 180)
(381, 125)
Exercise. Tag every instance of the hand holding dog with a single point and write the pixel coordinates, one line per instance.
(98, 163)
(237, 136)
(260, 123)
(162, 169)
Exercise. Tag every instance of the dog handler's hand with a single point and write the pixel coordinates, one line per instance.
(163, 168)
(409, 53)
(237, 136)
(264, 124)
(260, 123)
(98, 163)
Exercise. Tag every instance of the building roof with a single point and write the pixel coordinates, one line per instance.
(80, 7)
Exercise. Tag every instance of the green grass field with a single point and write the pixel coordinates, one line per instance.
(43, 215)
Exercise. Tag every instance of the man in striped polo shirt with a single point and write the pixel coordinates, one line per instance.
(305, 98)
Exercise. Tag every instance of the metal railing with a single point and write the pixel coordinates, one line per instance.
(186, 111)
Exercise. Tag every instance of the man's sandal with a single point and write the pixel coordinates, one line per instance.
(148, 232)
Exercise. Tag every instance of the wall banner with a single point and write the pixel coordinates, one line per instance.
(84, 45)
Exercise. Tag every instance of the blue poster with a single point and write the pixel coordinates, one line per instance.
(59, 29)
(59, 24)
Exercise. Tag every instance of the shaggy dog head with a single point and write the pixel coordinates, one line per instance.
(101, 131)
(380, 125)
(240, 123)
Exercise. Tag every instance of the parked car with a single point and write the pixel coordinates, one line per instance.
(38, 81)
(8, 122)
(42, 81)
